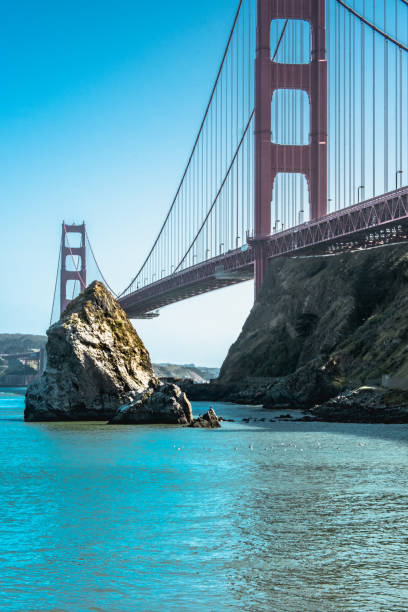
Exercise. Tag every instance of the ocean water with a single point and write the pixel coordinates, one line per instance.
(274, 516)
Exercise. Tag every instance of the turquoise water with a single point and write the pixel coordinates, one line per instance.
(262, 516)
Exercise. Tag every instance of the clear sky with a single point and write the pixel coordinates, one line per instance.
(100, 104)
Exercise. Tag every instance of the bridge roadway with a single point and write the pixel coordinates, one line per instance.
(377, 221)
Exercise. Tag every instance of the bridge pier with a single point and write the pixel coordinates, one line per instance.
(260, 264)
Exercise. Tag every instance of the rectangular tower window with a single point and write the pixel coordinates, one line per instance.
(73, 289)
(290, 117)
(73, 240)
(290, 201)
(73, 263)
(291, 41)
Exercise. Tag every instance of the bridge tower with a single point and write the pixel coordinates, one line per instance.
(68, 253)
(272, 158)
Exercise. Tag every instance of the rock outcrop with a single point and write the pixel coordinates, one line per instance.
(364, 405)
(209, 420)
(321, 325)
(96, 362)
(160, 403)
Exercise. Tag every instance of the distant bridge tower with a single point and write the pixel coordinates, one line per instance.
(272, 158)
(72, 254)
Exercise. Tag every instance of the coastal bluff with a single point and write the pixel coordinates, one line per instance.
(320, 325)
(97, 365)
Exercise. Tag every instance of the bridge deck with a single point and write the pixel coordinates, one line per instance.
(376, 221)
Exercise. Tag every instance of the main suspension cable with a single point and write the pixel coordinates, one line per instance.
(372, 25)
(99, 269)
(193, 149)
(218, 192)
(56, 284)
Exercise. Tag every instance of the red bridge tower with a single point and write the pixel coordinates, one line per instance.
(68, 253)
(272, 158)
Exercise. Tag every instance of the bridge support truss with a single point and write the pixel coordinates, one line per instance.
(272, 158)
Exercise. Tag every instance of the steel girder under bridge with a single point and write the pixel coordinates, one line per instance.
(378, 221)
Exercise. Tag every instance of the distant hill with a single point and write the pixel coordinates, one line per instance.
(196, 373)
(18, 343)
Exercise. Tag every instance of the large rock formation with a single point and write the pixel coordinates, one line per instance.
(209, 420)
(157, 404)
(320, 325)
(96, 363)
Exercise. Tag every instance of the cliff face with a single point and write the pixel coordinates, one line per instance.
(345, 316)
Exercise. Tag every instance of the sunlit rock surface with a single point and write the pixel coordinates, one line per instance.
(96, 362)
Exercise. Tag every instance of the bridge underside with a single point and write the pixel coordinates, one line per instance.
(229, 269)
(375, 222)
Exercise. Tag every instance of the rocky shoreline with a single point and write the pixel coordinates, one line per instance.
(303, 389)
(323, 335)
(361, 405)
(364, 405)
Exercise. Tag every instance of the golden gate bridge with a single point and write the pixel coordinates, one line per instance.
(302, 150)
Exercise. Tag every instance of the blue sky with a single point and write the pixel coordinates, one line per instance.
(100, 104)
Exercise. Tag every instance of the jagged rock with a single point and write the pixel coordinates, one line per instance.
(208, 420)
(96, 362)
(304, 388)
(163, 403)
(365, 405)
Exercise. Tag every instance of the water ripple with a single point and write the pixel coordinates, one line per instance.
(291, 517)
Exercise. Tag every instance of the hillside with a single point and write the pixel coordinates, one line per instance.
(324, 323)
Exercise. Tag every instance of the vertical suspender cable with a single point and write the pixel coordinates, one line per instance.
(351, 113)
(248, 179)
(396, 94)
(353, 128)
(386, 119)
(242, 127)
(336, 107)
(374, 109)
(329, 88)
(56, 284)
(343, 129)
(237, 136)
